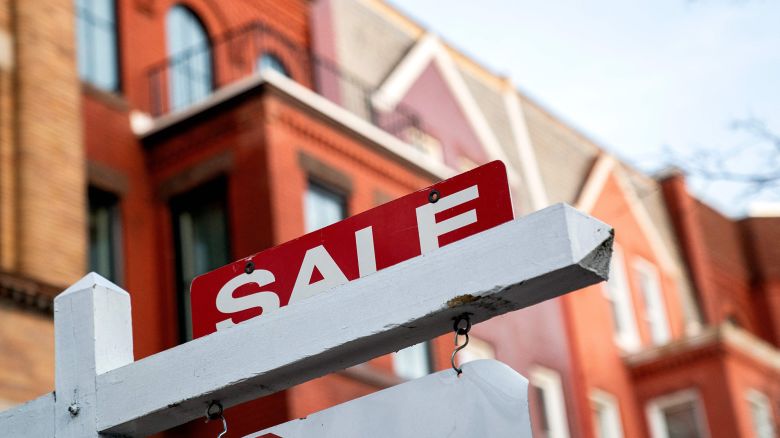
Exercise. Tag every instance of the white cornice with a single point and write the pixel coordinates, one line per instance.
(313, 101)
(525, 151)
(735, 337)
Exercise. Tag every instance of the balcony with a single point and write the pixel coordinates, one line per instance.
(192, 75)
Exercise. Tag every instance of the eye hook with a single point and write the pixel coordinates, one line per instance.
(216, 414)
(464, 331)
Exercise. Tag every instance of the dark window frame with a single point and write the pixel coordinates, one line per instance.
(98, 198)
(213, 190)
(313, 182)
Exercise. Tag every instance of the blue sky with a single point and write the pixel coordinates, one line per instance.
(640, 78)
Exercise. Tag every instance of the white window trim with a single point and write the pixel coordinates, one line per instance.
(628, 339)
(408, 371)
(549, 381)
(754, 396)
(610, 403)
(655, 407)
(643, 266)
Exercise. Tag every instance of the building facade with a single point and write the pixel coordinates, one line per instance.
(602, 361)
(43, 222)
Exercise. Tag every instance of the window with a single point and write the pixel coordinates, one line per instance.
(201, 233)
(655, 311)
(549, 404)
(104, 235)
(322, 207)
(272, 62)
(678, 415)
(606, 415)
(189, 49)
(97, 43)
(761, 414)
(413, 362)
(618, 294)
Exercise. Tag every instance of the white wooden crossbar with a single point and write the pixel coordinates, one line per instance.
(509, 267)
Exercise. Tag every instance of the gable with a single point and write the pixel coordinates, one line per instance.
(608, 195)
(430, 97)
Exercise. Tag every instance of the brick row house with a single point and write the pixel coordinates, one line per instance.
(204, 132)
(622, 359)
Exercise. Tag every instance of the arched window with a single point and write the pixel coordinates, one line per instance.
(189, 50)
(271, 61)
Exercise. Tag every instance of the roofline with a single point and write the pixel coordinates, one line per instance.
(144, 126)
(417, 29)
(469, 62)
(426, 51)
(740, 340)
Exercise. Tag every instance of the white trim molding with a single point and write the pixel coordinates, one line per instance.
(308, 98)
(403, 76)
(429, 49)
(617, 291)
(734, 337)
(549, 382)
(607, 405)
(761, 416)
(594, 184)
(653, 301)
(525, 151)
(655, 412)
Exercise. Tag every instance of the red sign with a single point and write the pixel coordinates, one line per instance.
(355, 247)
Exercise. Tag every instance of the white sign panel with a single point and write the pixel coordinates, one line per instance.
(488, 399)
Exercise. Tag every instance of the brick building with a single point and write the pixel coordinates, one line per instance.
(202, 132)
(42, 204)
(603, 361)
(188, 134)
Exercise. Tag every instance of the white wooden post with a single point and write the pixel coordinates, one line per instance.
(101, 391)
(92, 335)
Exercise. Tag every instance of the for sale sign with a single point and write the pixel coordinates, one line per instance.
(355, 247)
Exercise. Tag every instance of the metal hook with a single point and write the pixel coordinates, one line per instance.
(458, 332)
(215, 415)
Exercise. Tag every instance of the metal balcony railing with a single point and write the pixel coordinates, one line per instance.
(192, 75)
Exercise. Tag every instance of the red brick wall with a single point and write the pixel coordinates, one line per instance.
(111, 144)
(142, 37)
(763, 252)
(139, 176)
(721, 260)
(705, 374)
(746, 374)
(591, 322)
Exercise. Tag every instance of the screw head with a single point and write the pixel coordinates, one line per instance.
(249, 267)
(74, 409)
(434, 196)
